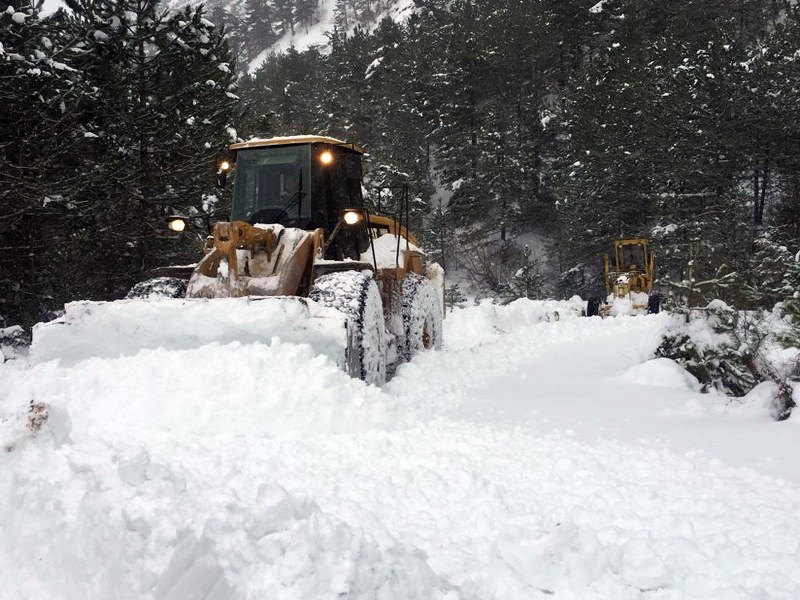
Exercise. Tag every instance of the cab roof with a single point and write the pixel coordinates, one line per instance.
(295, 140)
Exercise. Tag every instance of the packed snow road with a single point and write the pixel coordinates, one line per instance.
(532, 458)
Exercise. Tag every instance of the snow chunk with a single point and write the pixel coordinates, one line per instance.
(643, 568)
(597, 8)
(662, 372)
(18, 17)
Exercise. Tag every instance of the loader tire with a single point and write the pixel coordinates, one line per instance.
(422, 316)
(159, 287)
(593, 306)
(356, 295)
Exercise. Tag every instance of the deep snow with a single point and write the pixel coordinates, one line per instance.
(533, 457)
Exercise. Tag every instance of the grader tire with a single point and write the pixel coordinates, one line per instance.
(654, 304)
(593, 306)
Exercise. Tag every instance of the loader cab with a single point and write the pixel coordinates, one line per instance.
(303, 181)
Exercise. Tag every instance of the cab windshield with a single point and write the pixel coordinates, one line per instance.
(632, 257)
(272, 185)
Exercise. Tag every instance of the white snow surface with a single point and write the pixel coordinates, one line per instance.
(532, 457)
(125, 327)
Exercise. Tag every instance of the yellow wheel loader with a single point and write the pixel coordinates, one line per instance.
(300, 258)
(628, 278)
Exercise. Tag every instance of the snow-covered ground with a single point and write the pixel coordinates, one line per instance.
(532, 458)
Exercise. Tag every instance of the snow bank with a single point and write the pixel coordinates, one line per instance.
(261, 390)
(124, 327)
(153, 475)
(260, 470)
(105, 522)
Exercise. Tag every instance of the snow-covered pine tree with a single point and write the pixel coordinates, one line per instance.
(41, 91)
(151, 133)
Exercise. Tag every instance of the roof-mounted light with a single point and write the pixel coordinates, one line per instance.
(326, 158)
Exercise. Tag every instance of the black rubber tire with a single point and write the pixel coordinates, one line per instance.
(159, 287)
(593, 306)
(422, 316)
(356, 295)
(654, 304)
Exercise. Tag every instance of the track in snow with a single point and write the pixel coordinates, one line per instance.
(501, 467)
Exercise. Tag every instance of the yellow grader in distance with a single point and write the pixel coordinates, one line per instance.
(301, 243)
(628, 280)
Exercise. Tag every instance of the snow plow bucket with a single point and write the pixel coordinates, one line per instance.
(124, 327)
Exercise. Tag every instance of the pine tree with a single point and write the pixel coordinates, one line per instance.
(154, 129)
(127, 107)
(42, 91)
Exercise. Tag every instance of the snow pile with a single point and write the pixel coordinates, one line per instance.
(123, 328)
(262, 390)
(535, 456)
(153, 475)
(662, 372)
(631, 304)
(125, 525)
(390, 251)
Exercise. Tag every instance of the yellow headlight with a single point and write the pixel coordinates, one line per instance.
(178, 225)
(351, 217)
(225, 165)
(326, 157)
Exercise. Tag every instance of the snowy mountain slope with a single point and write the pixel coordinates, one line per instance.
(532, 458)
(315, 34)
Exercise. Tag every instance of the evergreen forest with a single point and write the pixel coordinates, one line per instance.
(568, 123)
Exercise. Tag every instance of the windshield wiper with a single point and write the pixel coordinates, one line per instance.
(297, 198)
